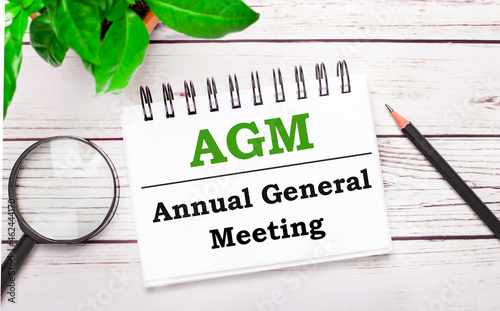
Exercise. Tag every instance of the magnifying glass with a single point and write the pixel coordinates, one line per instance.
(62, 190)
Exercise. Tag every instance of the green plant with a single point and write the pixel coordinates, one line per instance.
(108, 35)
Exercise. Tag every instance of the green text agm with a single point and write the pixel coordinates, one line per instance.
(206, 144)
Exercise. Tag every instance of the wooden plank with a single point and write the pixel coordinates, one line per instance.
(443, 89)
(418, 275)
(371, 19)
(382, 19)
(420, 203)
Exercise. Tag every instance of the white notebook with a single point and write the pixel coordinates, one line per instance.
(247, 181)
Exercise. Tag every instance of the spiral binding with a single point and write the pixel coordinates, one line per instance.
(234, 90)
(168, 95)
(189, 91)
(257, 97)
(320, 76)
(280, 97)
(146, 100)
(299, 78)
(212, 90)
(345, 85)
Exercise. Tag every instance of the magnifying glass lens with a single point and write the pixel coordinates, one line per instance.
(64, 189)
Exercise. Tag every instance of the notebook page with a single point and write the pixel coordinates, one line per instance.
(291, 183)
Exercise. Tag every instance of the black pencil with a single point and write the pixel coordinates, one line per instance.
(411, 132)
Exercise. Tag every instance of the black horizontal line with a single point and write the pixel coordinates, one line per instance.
(463, 135)
(256, 170)
(37, 139)
(443, 237)
(455, 41)
(94, 242)
(378, 136)
(443, 136)
(111, 242)
(396, 238)
(333, 40)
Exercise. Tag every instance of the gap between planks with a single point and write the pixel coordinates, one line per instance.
(404, 41)
(394, 238)
(378, 136)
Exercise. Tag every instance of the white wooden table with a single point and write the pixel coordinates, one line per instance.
(436, 62)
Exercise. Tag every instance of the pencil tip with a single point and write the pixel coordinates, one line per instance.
(401, 122)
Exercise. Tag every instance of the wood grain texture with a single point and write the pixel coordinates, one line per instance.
(453, 86)
(458, 275)
(420, 202)
(434, 61)
(366, 20)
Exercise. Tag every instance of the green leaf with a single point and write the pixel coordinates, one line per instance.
(78, 25)
(204, 18)
(112, 10)
(117, 10)
(36, 6)
(51, 8)
(122, 52)
(12, 65)
(11, 10)
(19, 25)
(104, 6)
(17, 12)
(27, 3)
(45, 42)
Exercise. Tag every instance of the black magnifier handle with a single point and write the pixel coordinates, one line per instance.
(15, 259)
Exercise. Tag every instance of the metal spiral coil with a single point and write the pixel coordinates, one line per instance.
(234, 90)
(146, 100)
